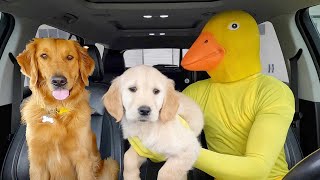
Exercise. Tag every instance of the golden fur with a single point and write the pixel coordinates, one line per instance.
(67, 148)
(160, 131)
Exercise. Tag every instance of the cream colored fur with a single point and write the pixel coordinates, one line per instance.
(161, 131)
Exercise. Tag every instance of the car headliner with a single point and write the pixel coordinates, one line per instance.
(119, 24)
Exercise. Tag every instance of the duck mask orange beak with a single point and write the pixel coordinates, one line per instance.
(205, 54)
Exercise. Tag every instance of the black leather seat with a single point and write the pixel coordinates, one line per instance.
(16, 164)
(181, 77)
(113, 65)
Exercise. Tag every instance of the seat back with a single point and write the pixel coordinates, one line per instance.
(113, 65)
(181, 77)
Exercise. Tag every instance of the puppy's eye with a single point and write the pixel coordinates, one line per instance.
(156, 91)
(69, 57)
(133, 89)
(44, 56)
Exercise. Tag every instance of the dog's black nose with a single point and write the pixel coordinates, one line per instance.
(144, 110)
(58, 81)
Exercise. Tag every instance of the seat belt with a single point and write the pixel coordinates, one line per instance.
(16, 95)
(294, 85)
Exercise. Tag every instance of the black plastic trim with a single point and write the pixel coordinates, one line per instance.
(309, 126)
(7, 22)
(5, 112)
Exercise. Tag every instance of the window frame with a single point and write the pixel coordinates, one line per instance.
(310, 36)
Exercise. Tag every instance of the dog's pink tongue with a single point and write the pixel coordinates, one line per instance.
(60, 94)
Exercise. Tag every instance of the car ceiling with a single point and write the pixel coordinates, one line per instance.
(119, 24)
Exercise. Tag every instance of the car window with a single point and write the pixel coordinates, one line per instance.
(100, 48)
(314, 13)
(45, 31)
(309, 25)
(152, 57)
(272, 59)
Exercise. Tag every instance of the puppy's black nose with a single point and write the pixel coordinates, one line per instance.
(144, 110)
(58, 81)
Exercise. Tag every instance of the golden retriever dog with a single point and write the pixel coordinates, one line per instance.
(146, 103)
(61, 144)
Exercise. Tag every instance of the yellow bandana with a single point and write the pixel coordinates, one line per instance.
(144, 152)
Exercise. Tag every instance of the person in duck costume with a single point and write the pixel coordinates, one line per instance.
(247, 114)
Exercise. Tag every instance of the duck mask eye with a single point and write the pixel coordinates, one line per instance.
(234, 26)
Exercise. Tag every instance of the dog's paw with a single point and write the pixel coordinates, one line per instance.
(171, 175)
(131, 175)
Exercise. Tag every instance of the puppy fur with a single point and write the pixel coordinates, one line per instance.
(160, 131)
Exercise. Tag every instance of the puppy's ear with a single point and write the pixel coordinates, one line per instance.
(28, 63)
(86, 64)
(170, 104)
(112, 100)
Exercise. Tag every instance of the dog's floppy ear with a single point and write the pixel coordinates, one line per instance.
(28, 63)
(170, 104)
(112, 100)
(86, 63)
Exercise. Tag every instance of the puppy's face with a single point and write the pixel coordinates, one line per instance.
(142, 94)
(56, 65)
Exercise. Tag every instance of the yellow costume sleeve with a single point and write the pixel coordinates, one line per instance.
(272, 107)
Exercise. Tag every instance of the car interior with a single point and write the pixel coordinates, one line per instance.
(120, 34)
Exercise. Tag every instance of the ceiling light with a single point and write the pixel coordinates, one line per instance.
(162, 34)
(147, 16)
(164, 16)
(86, 47)
(151, 34)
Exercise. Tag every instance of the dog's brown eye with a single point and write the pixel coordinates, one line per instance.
(133, 89)
(156, 91)
(69, 57)
(44, 56)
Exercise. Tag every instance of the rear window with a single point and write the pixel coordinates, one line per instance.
(152, 56)
(45, 31)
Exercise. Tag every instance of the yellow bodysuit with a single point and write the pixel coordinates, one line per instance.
(247, 114)
(246, 124)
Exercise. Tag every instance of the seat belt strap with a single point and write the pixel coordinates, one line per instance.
(294, 85)
(16, 95)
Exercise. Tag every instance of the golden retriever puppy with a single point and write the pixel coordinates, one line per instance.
(61, 144)
(146, 103)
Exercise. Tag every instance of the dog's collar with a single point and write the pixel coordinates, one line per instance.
(62, 110)
(59, 111)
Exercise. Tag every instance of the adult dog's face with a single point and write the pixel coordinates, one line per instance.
(142, 94)
(56, 65)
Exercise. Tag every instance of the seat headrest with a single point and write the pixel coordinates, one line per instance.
(271, 56)
(114, 62)
(98, 72)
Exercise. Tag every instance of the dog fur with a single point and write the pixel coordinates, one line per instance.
(66, 148)
(160, 131)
